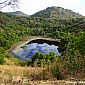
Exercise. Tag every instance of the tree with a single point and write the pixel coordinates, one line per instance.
(80, 43)
(45, 59)
(12, 3)
(2, 55)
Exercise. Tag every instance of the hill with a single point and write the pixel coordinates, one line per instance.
(17, 13)
(69, 29)
(56, 12)
(13, 28)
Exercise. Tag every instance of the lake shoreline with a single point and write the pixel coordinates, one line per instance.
(17, 47)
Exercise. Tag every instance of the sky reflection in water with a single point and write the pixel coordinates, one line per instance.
(35, 47)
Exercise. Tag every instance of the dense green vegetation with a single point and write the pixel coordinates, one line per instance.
(13, 28)
(56, 12)
(70, 30)
(43, 59)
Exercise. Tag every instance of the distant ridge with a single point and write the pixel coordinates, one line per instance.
(17, 13)
(56, 12)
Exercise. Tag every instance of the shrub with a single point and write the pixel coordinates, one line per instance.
(23, 47)
(2, 58)
(56, 73)
(2, 50)
(44, 59)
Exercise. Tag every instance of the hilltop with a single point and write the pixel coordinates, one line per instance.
(56, 12)
(17, 13)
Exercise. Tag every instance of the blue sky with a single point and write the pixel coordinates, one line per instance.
(32, 6)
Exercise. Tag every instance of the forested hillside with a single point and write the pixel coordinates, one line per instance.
(56, 12)
(12, 28)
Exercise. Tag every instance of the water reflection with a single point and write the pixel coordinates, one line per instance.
(32, 48)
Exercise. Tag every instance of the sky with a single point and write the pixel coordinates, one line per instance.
(32, 6)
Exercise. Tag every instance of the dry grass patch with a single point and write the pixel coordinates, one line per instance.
(15, 74)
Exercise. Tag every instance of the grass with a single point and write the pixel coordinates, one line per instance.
(24, 47)
(16, 75)
(11, 75)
